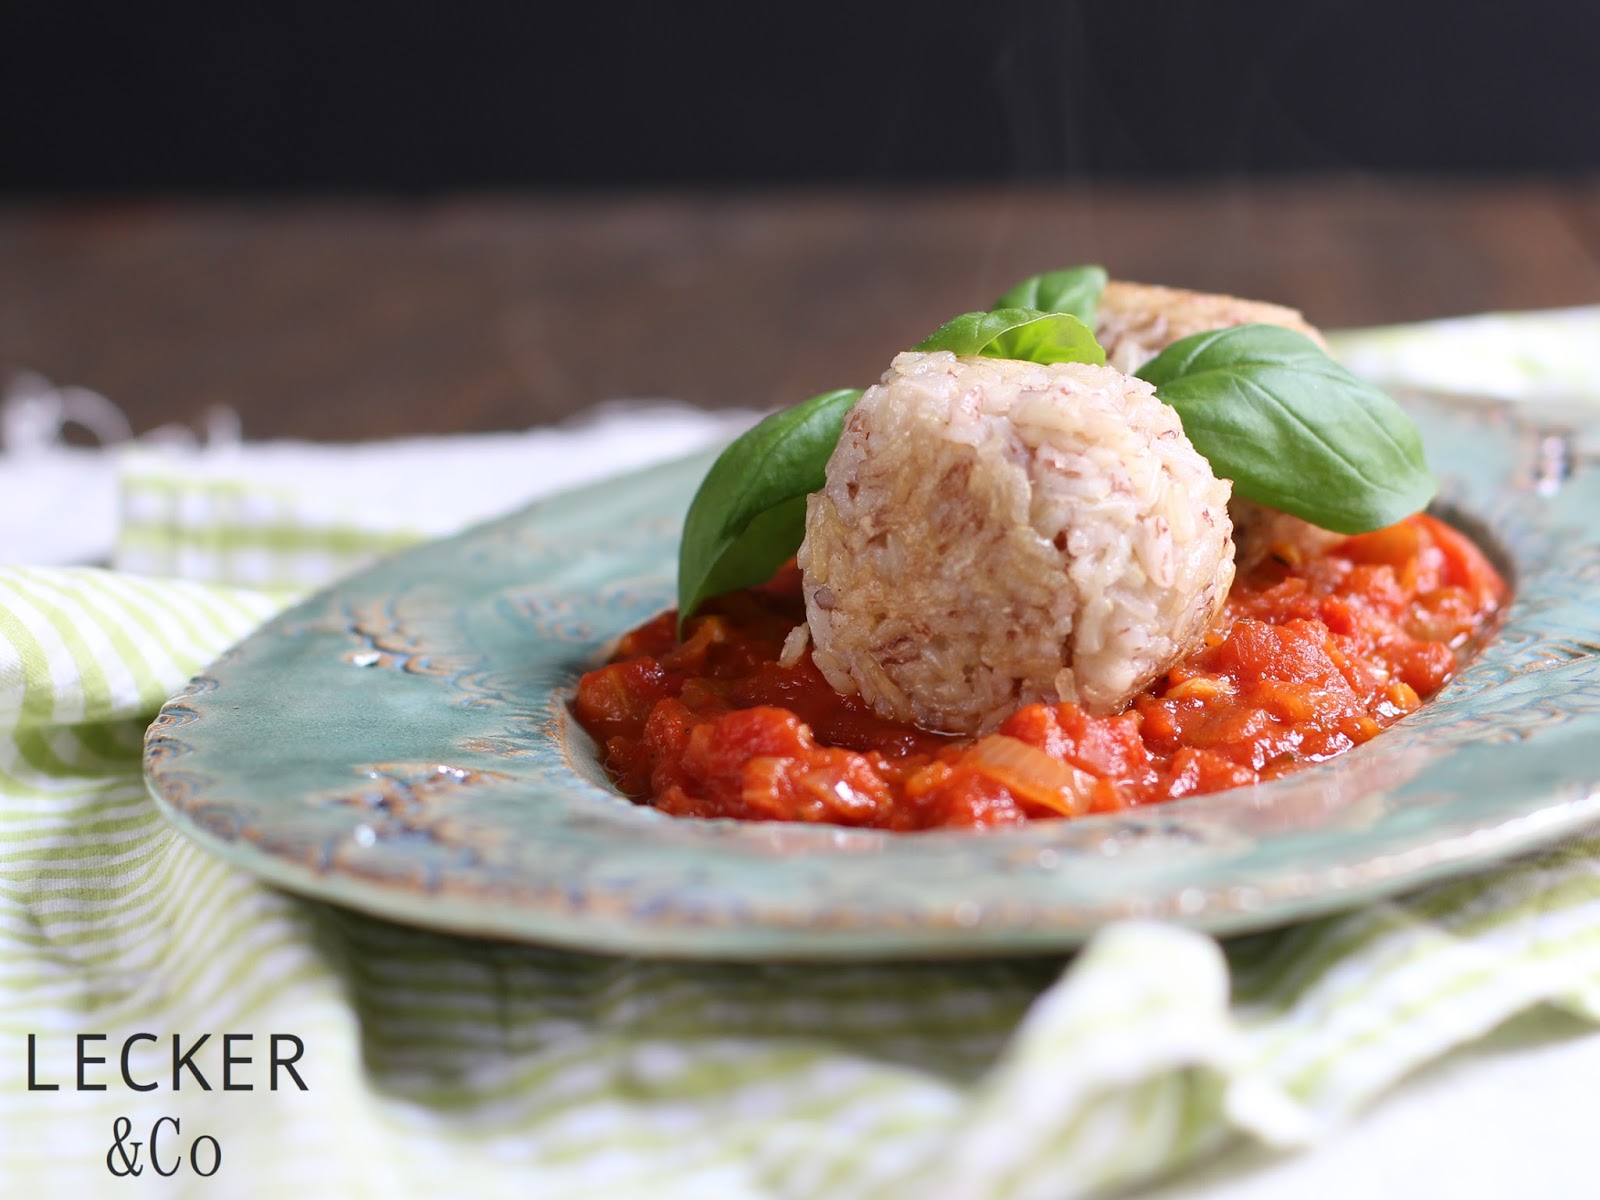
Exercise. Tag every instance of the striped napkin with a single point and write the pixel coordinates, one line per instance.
(252, 1043)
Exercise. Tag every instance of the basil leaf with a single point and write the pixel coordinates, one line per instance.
(1292, 428)
(749, 515)
(1023, 333)
(1075, 290)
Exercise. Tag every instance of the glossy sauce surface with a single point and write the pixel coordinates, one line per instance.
(1308, 659)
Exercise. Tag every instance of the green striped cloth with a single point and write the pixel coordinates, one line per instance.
(439, 1066)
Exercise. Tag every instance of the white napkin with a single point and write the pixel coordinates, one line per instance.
(59, 504)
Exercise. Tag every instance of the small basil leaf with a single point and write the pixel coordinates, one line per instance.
(1293, 429)
(1055, 338)
(1022, 333)
(1075, 290)
(748, 517)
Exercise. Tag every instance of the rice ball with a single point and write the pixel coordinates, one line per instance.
(1136, 321)
(995, 532)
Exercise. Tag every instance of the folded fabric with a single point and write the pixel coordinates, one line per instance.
(1522, 356)
(300, 513)
(435, 1065)
(297, 514)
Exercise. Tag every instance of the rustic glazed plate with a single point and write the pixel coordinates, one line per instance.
(401, 744)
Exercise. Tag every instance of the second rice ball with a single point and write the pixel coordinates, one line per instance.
(995, 532)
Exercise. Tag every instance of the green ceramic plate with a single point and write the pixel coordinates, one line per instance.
(401, 744)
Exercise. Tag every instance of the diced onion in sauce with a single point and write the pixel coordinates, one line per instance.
(1032, 774)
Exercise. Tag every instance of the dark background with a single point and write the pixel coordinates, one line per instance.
(220, 98)
(351, 219)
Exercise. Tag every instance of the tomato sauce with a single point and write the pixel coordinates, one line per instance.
(1307, 660)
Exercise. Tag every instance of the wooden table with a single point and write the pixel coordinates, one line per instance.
(343, 320)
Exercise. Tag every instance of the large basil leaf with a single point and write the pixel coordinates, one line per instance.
(1292, 428)
(750, 512)
(1075, 290)
(1023, 333)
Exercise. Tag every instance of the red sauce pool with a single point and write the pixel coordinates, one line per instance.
(1307, 660)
